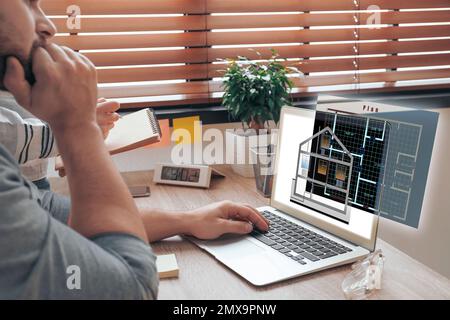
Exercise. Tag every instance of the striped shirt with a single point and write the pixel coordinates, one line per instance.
(27, 138)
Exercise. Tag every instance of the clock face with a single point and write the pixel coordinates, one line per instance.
(180, 174)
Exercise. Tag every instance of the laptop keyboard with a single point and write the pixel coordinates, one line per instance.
(296, 242)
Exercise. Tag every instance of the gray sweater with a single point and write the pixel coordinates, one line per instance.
(42, 258)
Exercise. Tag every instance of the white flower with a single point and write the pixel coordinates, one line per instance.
(252, 90)
(266, 78)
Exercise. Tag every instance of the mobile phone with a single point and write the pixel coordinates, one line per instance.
(139, 191)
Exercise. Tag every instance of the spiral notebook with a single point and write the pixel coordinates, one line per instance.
(133, 131)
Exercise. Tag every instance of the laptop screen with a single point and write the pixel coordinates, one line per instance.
(318, 172)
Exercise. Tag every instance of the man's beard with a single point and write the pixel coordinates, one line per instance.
(27, 64)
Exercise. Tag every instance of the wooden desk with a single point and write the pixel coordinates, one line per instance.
(203, 277)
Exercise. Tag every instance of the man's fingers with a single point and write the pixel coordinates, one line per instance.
(75, 56)
(257, 212)
(86, 60)
(109, 127)
(100, 100)
(57, 53)
(238, 227)
(108, 106)
(107, 118)
(42, 62)
(106, 115)
(16, 83)
(249, 214)
(70, 53)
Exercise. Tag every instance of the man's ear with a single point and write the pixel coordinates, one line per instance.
(16, 83)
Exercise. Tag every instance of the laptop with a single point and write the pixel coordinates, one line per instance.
(315, 223)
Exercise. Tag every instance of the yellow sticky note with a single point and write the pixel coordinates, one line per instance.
(165, 132)
(189, 124)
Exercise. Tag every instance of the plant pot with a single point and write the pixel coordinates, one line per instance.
(237, 146)
(264, 158)
(239, 143)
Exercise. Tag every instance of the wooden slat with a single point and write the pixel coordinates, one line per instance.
(256, 37)
(90, 7)
(201, 22)
(165, 101)
(118, 24)
(405, 75)
(372, 77)
(198, 71)
(200, 55)
(405, 4)
(102, 59)
(93, 42)
(321, 19)
(392, 76)
(228, 6)
(346, 64)
(199, 87)
(196, 87)
(183, 99)
(396, 17)
(100, 7)
(405, 32)
(324, 50)
(392, 47)
(389, 62)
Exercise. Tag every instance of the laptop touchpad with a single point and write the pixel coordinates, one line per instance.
(234, 247)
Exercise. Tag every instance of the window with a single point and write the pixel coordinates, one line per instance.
(165, 52)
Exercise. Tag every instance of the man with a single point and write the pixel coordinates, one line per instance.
(31, 141)
(106, 239)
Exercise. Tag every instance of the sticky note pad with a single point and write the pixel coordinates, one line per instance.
(165, 135)
(189, 124)
(167, 266)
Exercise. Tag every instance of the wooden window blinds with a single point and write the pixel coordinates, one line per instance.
(165, 52)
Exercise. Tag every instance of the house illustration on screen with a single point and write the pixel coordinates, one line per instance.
(322, 179)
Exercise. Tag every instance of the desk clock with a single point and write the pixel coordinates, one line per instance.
(184, 175)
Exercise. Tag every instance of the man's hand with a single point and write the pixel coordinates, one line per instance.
(214, 220)
(106, 115)
(65, 92)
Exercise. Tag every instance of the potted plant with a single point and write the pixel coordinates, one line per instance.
(254, 93)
